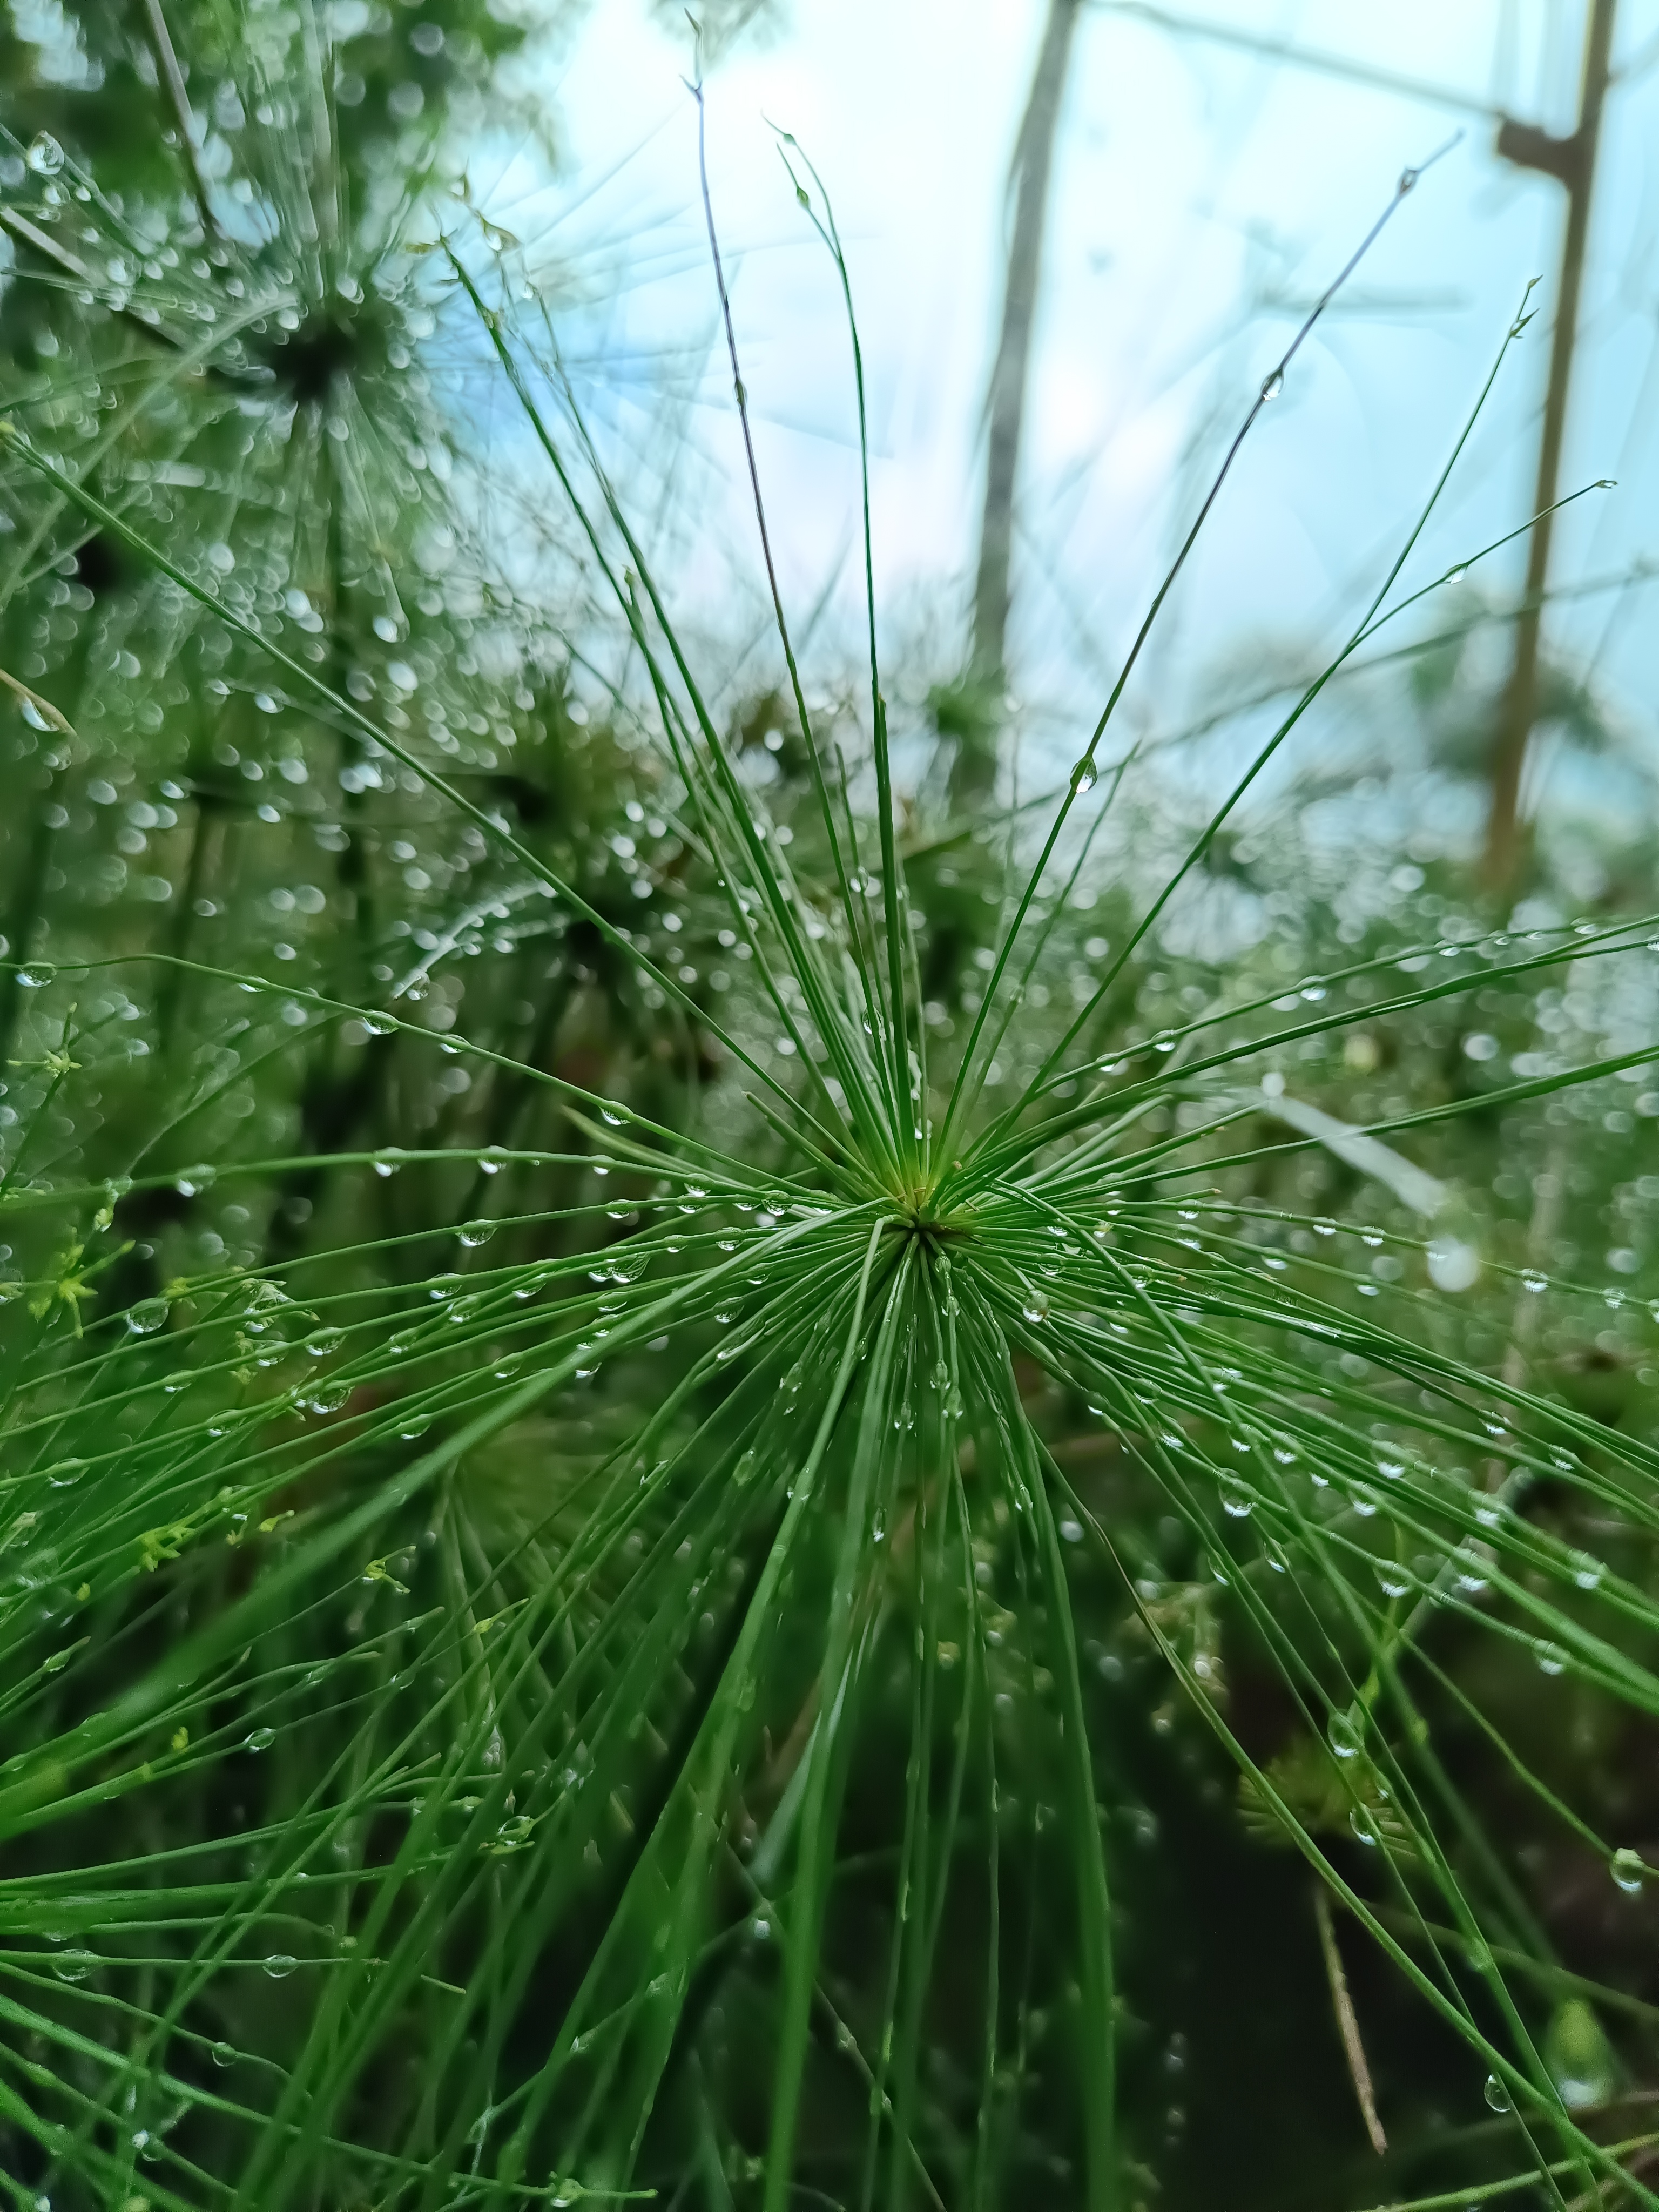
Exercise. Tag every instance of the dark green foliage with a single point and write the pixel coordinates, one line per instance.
(711, 1488)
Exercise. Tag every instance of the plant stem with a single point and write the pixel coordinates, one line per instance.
(1347, 2021)
(1572, 161)
(173, 78)
(974, 770)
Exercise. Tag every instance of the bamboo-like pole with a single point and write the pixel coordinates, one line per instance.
(1032, 165)
(1572, 161)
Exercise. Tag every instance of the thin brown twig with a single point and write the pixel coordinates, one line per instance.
(1347, 2021)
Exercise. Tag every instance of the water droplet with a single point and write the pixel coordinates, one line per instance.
(145, 1318)
(1237, 1501)
(279, 1964)
(1408, 180)
(1274, 386)
(46, 155)
(327, 1397)
(1033, 1307)
(1587, 1570)
(1579, 2056)
(1453, 1264)
(325, 1340)
(260, 1739)
(190, 1182)
(1084, 775)
(1532, 1280)
(1550, 1656)
(1497, 2096)
(492, 1160)
(378, 1025)
(475, 1233)
(1470, 1559)
(75, 1965)
(223, 2055)
(35, 975)
(1344, 1734)
(1628, 1870)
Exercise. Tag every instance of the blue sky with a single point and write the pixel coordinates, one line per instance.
(1201, 196)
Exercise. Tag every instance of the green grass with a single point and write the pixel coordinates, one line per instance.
(597, 1632)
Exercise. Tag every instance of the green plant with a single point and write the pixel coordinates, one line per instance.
(645, 1713)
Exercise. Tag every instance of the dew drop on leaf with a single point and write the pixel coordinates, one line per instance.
(1628, 1870)
(1344, 1735)
(1453, 1264)
(1579, 2056)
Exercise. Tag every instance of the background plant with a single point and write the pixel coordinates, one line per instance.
(678, 1520)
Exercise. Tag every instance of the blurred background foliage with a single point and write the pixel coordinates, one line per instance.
(241, 939)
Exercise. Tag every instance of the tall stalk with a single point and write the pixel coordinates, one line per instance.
(1571, 162)
(973, 772)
